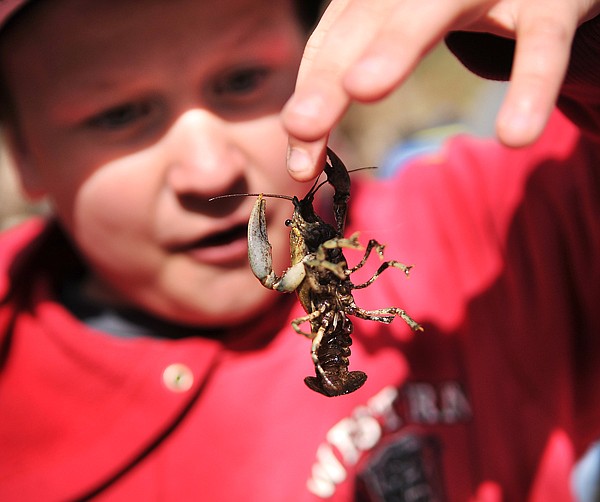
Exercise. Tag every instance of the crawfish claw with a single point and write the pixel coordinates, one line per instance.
(259, 248)
(338, 177)
(260, 254)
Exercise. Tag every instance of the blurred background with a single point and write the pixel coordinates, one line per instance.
(13, 206)
(440, 99)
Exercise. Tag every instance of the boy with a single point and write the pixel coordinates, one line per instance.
(142, 360)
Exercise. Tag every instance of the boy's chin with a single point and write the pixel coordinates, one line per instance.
(234, 313)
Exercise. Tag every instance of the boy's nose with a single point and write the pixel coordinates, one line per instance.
(203, 157)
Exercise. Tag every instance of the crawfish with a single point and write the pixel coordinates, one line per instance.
(321, 278)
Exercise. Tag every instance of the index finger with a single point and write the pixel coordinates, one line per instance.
(320, 99)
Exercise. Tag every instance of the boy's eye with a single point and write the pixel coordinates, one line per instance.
(241, 82)
(121, 116)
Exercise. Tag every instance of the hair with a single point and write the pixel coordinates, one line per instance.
(309, 11)
(7, 112)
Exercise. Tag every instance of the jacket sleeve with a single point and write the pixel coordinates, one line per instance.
(491, 57)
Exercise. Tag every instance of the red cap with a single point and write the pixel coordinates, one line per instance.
(8, 8)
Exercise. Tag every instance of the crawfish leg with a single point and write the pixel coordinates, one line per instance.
(373, 244)
(307, 318)
(386, 316)
(385, 265)
(316, 343)
(340, 268)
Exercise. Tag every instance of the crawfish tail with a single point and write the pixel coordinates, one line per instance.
(332, 361)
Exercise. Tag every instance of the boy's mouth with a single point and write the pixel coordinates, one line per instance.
(223, 238)
(220, 248)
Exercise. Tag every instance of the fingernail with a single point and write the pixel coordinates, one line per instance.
(298, 161)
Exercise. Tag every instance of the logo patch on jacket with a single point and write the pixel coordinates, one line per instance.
(406, 468)
(388, 445)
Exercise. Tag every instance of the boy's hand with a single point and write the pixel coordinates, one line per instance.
(363, 49)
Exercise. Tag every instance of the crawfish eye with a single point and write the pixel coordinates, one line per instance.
(288, 223)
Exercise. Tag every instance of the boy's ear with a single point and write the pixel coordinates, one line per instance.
(28, 175)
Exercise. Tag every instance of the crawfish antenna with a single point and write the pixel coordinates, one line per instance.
(272, 195)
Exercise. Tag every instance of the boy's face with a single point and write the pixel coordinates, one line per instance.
(131, 115)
